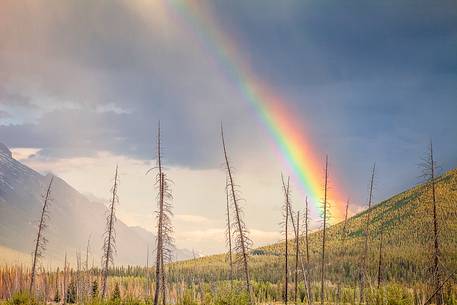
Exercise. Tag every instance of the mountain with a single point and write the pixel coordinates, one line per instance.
(74, 219)
(405, 221)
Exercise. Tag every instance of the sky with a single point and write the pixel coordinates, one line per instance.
(83, 85)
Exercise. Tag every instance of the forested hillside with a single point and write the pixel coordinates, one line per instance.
(405, 221)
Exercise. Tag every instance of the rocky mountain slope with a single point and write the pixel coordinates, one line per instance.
(73, 220)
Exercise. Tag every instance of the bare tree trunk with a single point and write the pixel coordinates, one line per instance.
(40, 242)
(78, 276)
(297, 251)
(164, 228)
(436, 244)
(229, 233)
(308, 287)
(242, 240)
(307, 230)
(148, 277)
(343, 241)
(286, 226)
(87, 272)
(451, 275)
(159, 244)
(300, 256)
(65, 270)
(159, 226)
(363, 269)
(162, 267)
(380, 262)
(109, 242)
(324, 232)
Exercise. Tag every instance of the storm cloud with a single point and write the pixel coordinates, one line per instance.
(370, 80)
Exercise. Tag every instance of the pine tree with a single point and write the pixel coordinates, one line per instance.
(94, 290)
(71, 293)
(116, 293)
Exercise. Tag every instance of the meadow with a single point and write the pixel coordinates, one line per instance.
(399, 251)
(406, 276)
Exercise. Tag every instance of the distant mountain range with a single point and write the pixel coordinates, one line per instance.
(74, 219)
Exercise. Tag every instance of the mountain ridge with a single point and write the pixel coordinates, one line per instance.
(405, 221)
(74, 221)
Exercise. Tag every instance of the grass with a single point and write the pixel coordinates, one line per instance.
(404, 219)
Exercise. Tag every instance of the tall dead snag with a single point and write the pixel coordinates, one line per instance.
(109, 239)
(300, 256)
(65, 271)
(307, 281)
(297, 252)
(380, 262)
(286, 209)
(87, 271)
(242, 243)
(429, 173)
(159, 215)
(366, 233)
(164, 227)
(228, 232)
(167, 231)
(306, 230)
(343, 241)
(324, 231)
(41, 241)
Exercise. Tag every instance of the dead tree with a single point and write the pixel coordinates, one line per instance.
(87, 271)
(109, 239)
(343, 241)
(164, 227)
(366, 233)
(451, 275)
(148, 277)
(429, 173)
(229, 233)
(65, 270)
(324, 231)
(300, 256)
(242, 243)
(307, 282)
(307, 230)
(41, 241)
(167, 231)
(286, 209)
(380, 262)
(297, 252)
(159, 215)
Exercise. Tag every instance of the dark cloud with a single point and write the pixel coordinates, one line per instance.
(327, 41)
(369, 80)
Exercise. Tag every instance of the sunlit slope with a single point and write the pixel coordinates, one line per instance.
(406, 223)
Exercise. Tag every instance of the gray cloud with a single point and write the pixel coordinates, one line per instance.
(4, 114)
(370, 81)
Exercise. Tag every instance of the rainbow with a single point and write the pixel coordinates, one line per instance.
(295, 150)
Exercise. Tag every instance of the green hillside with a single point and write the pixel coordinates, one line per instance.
(406, 222)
